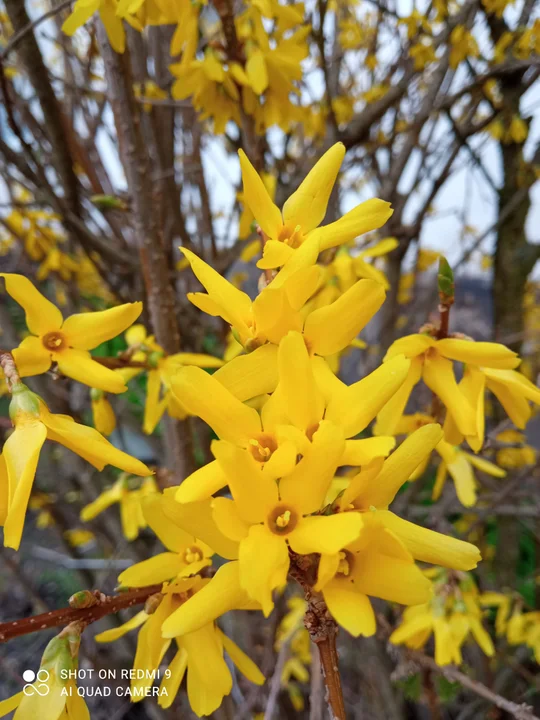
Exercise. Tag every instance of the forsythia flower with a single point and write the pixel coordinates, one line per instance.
(33, 425)
(200, 652)
(130, 500)
(432, 362)
(453, 614)
(520, 628)
(515, 457)
(162, 369)
(67, 342)
(51, 696)
(277, 310)
(305, 210)
(288, 425)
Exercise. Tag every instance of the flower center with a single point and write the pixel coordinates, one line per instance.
(292, 238)
(193, 555)
(346, 560)
(282, 520)
(263, 447)
(54, 341)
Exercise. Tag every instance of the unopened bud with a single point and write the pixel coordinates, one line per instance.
(108, 202)
(23, 401)
(445, 280)
(83, 599)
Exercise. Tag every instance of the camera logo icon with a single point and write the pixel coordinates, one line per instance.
(40, 686)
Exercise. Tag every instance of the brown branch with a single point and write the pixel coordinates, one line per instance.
(520, 712)
(105, 605)
(322, 629)
(16, 38)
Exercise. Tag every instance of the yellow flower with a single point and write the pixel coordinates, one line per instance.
(453, 614)
(460, 465)
(33, 425)
(277, 310)
(163, 369)
(102, 412)
(288, 424)
(432, 362)
(515, 457)
(67, 342)
(130, 500)
(83, 11)
(53, 694)
(185, 556)
(78, 537)
(305, 210)
(463, 45)
(246, 217)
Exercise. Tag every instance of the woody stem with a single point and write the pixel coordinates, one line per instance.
(330, 671)
(104, 606)
(7, 363)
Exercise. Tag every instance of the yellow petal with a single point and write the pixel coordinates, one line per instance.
(31, 357)
(328, 567)
(390, 578)
(307, 206)
(362, 452)
(228, 520)
(8, 705)
(196, 519)
(202, 395)
(325, 534)
(515, 405)
(304, 403)
(257, 72)
(400, 465)
(89, 444)
(153, 407)
(367, 216)
(173, 362)
(259, 201)
(173, 537)
(88, 330)
(250, 375)
(208, 677)
(222, 594)
(21, 453)
(201, 484)
(157, 569)
(253, 492)
(390, 415)
(78, 17)
(492, 355)
(330, 329)
(264, 564)
(430, 546)
(244, 663)
(358, 484)
(304, 257)
(275, 254)
(410, 346)
(113, 26)
(41, 315)
(79, 365)
(409, 628)
(515, 381)
(485, 466)
(356, 406)
(439, 376)
(235, 305)
(440, 479)
(307, 485)
(350, 609)
(172, 679)
(463, 477)
(4, 491)
(481, 636)
(274, 316)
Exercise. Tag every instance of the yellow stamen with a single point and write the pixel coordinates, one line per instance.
(192, 555)
(343, 567)
(283, 520)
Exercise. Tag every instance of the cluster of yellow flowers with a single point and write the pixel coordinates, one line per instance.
(293, 490)
(453, 614)
(519, 628)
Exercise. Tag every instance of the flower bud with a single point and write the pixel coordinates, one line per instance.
(23, 402)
